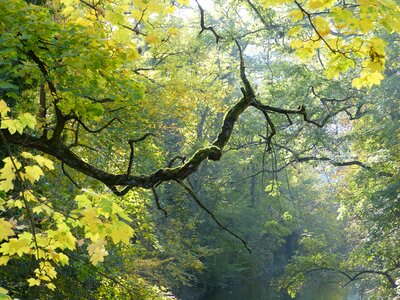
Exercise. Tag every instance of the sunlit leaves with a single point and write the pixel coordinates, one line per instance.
(40, 160)
(15, 125)
(296, 15)
(96, 215)
(100, 219)
(319, 4)
(322, 26)
(4, 109)
(120, 232)
(347, 32)
(27, 120)
(97, 251)
(338, 64)
(32, 173)
(3, 294)
(367, 79)
(5, 229)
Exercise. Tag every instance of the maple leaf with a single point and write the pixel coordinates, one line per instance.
(322, 26)
(33, 173)
(4, 109)
(4, 260)
(97, 251)
(18, 246)
(5, 229)
(33, 281)
(27, 119)
(296, 15)
(121, 232)
(12, 125)
(44, 162)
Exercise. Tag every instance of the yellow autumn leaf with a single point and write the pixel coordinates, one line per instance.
(375, 66)
(32, 173)
(63, 259)
(4, 260)
(7, 174)
(366, 25)
(28, 196)
(33, 281)
(120, 232)
(296, 15)
(44, 162)
(12, 126)
(341, 16)
(51, 286)
(294, 30)
(152, 38)
(90, 219)
(5, 229)
(137, 14)
(322, 26)
(62, 238)
(295, 44)
(4, 109)
(375, 78)
(367, 79)
(319, 4)
(7, 185)
(18, 246)
(97, 251)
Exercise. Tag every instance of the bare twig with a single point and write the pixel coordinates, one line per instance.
(69, 177)
(204, 27)
(157, 199)
(211, 214)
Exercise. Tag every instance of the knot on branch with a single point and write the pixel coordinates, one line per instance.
(214, 153)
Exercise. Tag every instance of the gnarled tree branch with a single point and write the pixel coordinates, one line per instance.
(204, 27)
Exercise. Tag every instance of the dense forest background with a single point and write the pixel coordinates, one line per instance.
(154, 149)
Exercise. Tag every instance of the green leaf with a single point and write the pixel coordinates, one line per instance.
(27, 120)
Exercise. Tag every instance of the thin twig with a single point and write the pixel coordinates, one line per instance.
(157, 199)
(211, 214)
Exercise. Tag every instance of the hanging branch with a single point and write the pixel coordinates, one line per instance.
(132, 150)
(101, 128)
(211, 214)
(105, 275)
(157, 199)
(300, 111)
(350, 278)
(69, 177)
(259, 15)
